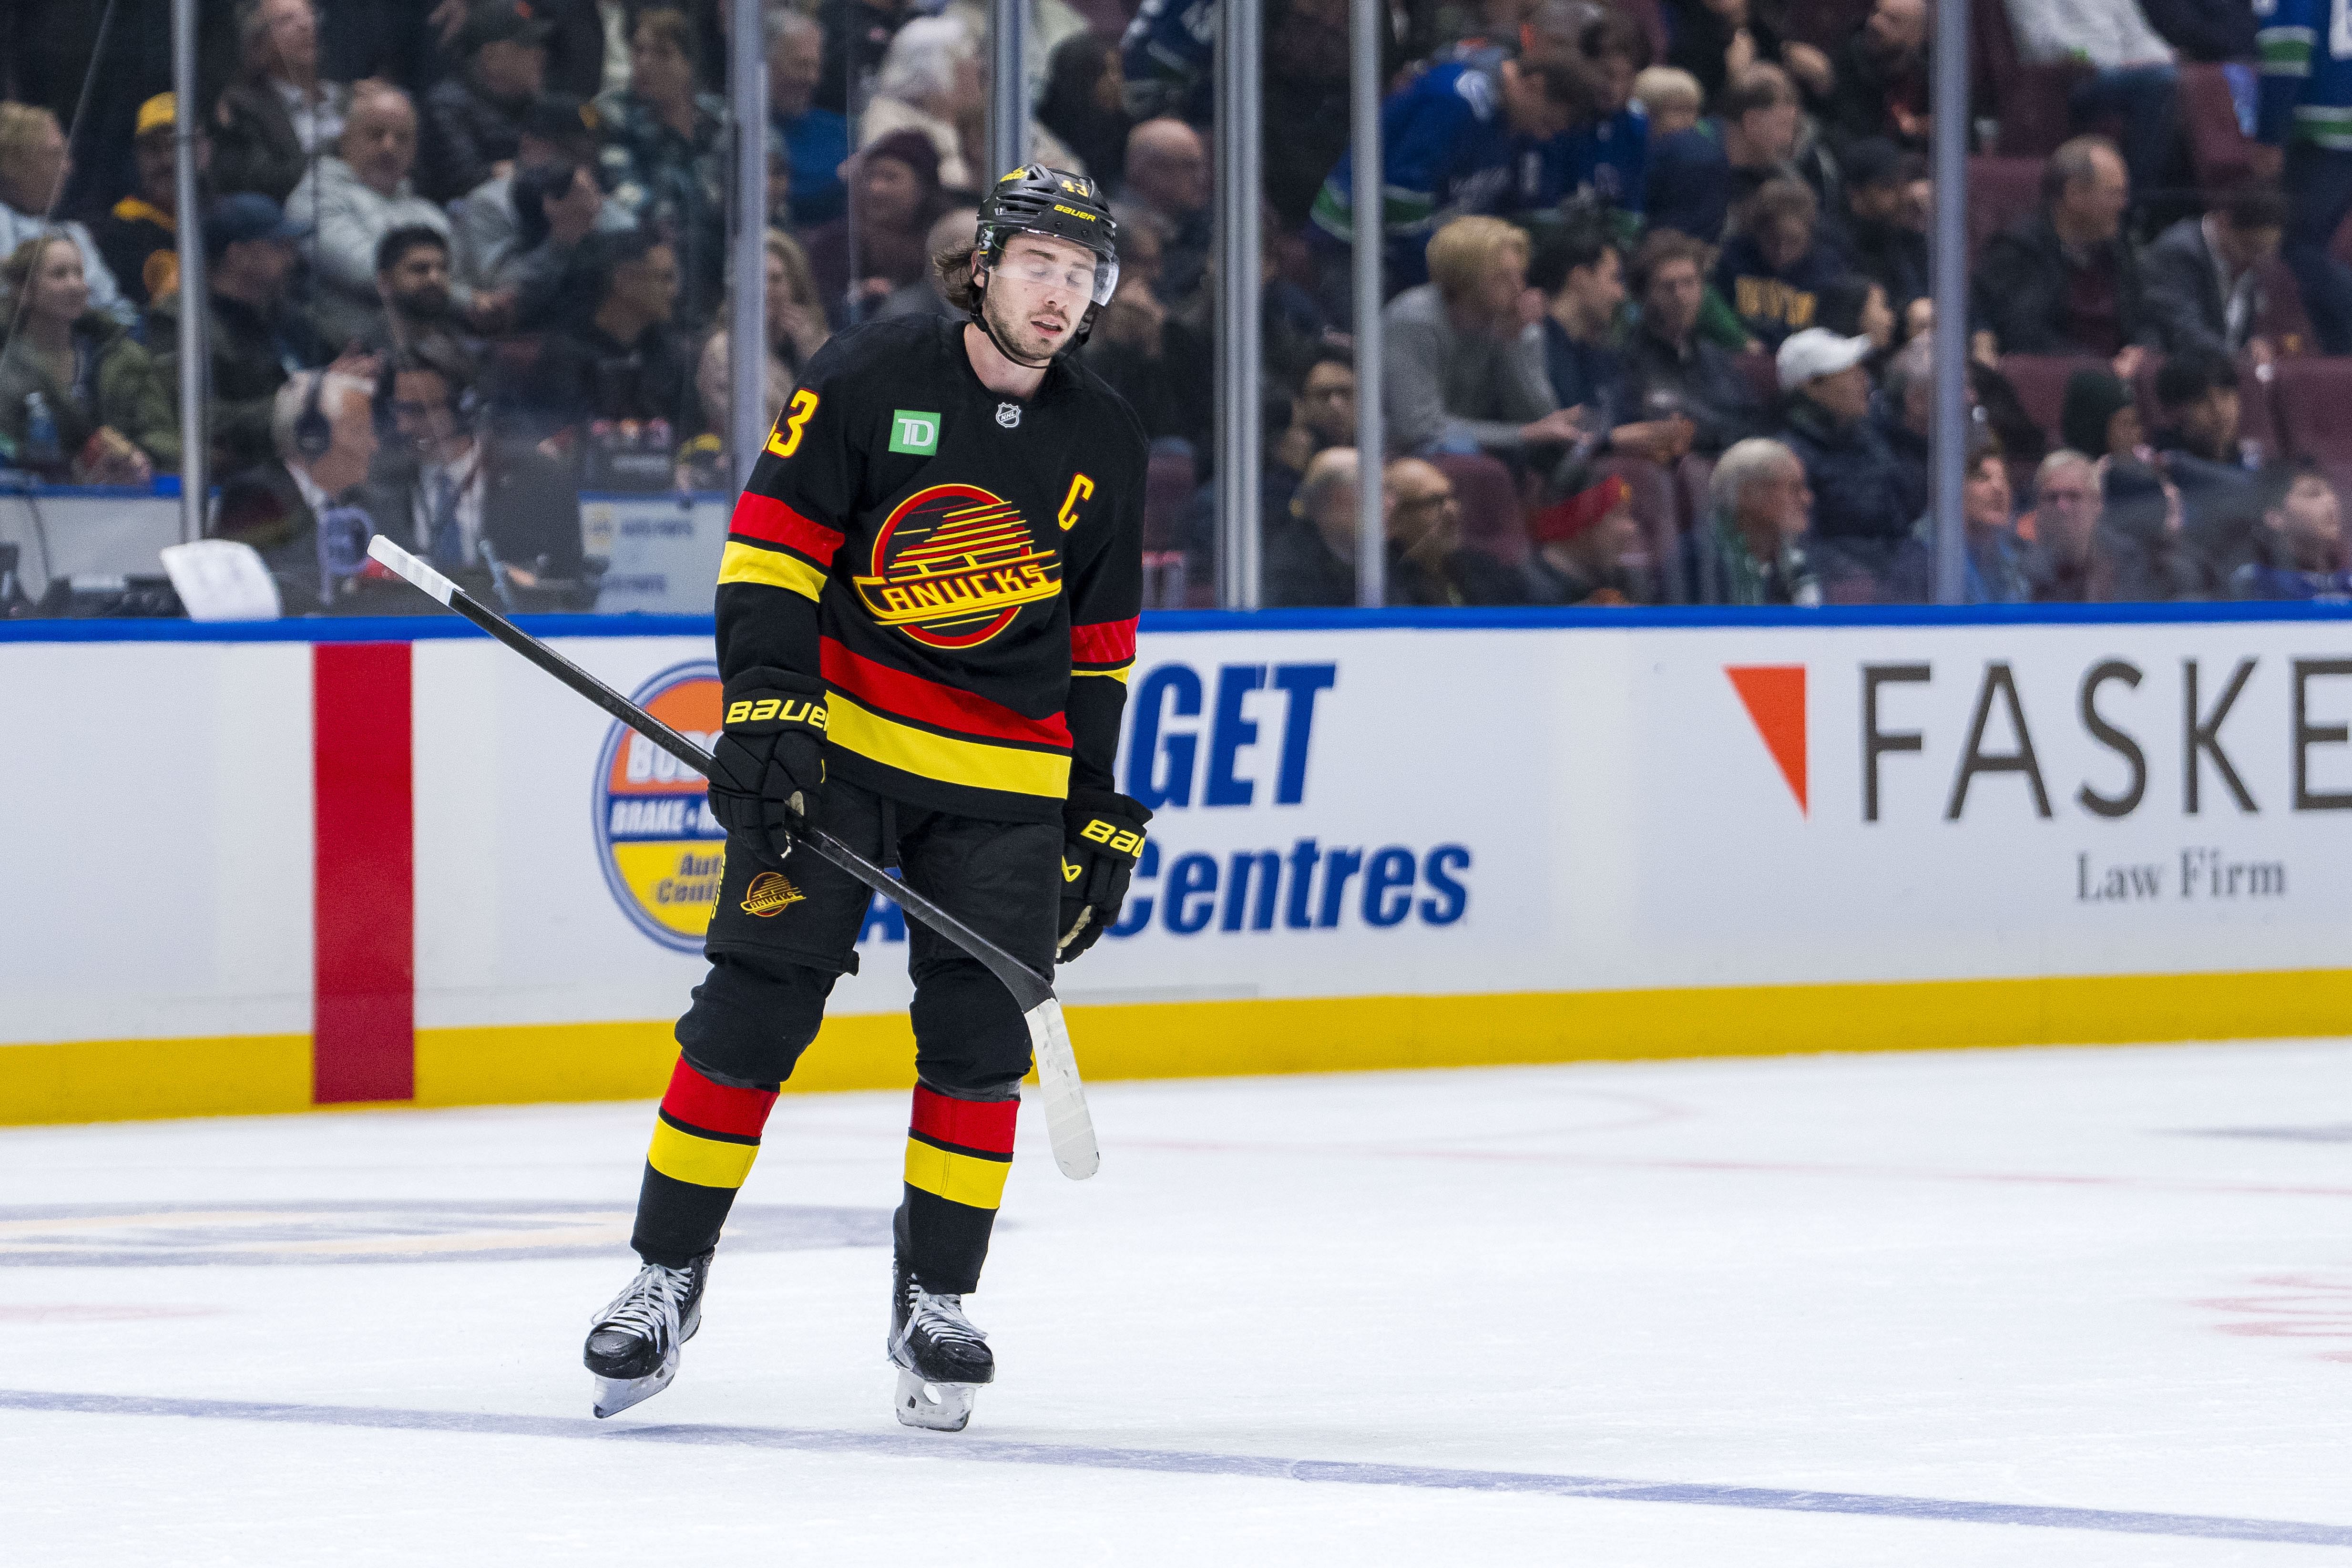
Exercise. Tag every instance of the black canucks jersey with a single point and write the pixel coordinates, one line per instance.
(962, 569)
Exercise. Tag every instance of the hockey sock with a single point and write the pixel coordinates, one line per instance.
(704, 1141)
(958, 1154)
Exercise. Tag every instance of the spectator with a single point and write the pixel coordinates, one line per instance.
(107, 419)
(1907, 418)
(557, 206)
(664, 160)
(1323, 415)
(1589, 550)
(296, 508)
(2203, 276)
(474, 119)
(487, 226)
(1305, 119)
(1310, 542)
(2212, 31)
(2099, 418)
(355, 200)
(1450, 145)
(894, 200)
(816, 141)
(254, 336)
(1580, 274)
(1884, 238)
(926, 296)
(1428, 564)
(2137, 554)
(1167, 188)
(1157, 360)
(1714, 40)
(1882, 80)
(139, 237)
(626, 361)
(1772, 270)
(930, 82)
(2065, 280)
(280, 116)
(856, 35)
(2061, 525)
(440, 489)
(1699, 178)
(1047, 26)
(1670, 371)
(2299, 549)
(1861, 504)
(1994, 562)
(34, 165)
(1604, 158)
(1084, 106)
(2305, 94)
(2132, 74)
(412, 279)
(1750, 549)
(1672, 98)
(1855, 307)
(2221, 503)
(1465, 368)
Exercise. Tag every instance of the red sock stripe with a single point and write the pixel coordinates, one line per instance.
(982, 1124)
(717, 1107)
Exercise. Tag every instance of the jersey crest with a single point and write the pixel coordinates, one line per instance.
(953, 565)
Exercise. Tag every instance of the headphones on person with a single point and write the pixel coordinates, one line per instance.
(314, 433)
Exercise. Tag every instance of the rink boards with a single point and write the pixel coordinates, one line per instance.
(249, 871)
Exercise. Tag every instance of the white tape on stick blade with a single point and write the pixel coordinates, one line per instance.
(416, 572)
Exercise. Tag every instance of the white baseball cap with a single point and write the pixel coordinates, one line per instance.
(1817, 352)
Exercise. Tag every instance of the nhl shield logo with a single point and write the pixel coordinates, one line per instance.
(1008, 414)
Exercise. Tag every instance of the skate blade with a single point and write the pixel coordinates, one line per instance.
(933, 1406)
(614, 1394)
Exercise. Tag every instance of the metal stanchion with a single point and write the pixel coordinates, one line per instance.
(747, 316)
(1240, 331)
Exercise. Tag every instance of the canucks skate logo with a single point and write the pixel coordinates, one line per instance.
(953, 564)
(770, 894)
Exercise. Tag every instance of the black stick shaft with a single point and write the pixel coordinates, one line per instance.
(1028, 988)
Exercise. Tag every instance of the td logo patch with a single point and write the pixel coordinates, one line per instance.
(913, 431)
(771, 894)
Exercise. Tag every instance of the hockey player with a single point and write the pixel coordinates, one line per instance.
(927, 613)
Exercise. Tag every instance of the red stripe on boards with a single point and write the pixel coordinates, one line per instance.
(912, 697)
(363, 876)
(716, 1107)
(982, 1124)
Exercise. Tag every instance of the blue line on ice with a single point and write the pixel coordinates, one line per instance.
(1001, 1451)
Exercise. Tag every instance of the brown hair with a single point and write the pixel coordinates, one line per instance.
(16, 271)
(1465, 247)
(953, 264)
(798, 278)
(1664, 245)
(21, 125)
(668, 25)
(1781, 201)
(1760, 85)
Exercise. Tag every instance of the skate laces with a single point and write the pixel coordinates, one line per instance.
(941, 1318)
(650, 1306)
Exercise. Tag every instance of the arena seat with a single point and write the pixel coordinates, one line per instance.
(2001, 191)
(2220, 158)
(1654, 503)
(2031, 100)
(2041, 382)
(2312, 395)
(1763, 374)
(1492, 518)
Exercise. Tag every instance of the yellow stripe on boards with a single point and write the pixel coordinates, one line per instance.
(745, 563)
(971, 762)
(705, 1161)
(959, 1178)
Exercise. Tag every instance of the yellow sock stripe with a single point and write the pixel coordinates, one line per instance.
(972, 762)
(742, 562)
(959, 1178)
(704, 1162)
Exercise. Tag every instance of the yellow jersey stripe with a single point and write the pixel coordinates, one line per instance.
(772, 568)
(959, 1178)
(1120, 675)
(703, 1162)
(973, 763)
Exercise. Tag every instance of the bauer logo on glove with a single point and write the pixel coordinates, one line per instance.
(1105, 841)
(767, 771)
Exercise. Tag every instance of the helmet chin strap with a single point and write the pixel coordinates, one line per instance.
(980, 319)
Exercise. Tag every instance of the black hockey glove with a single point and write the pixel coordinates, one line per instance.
(768, 769)
(1105, 841)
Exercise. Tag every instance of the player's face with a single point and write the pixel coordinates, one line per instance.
(1039, 293)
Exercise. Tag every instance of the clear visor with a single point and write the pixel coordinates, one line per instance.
(1096, 275)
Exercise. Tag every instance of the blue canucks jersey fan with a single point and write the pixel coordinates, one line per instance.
(1466, 137)
(2306, 106)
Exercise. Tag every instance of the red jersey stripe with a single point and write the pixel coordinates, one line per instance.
(982, 1124)
(911, 697)
(1104, 642)
(717, 1107)
(770, 521)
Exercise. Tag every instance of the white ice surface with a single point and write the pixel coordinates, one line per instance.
(1995, 1277)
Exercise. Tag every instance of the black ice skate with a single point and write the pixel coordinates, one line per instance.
(634, 1344)
(941, 1359)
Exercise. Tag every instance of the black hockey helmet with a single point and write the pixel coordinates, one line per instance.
(1035, 199)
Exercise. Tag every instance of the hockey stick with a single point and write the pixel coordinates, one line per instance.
(1067, 1123)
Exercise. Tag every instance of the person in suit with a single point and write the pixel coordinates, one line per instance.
(297, 508)
(2202, 276)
